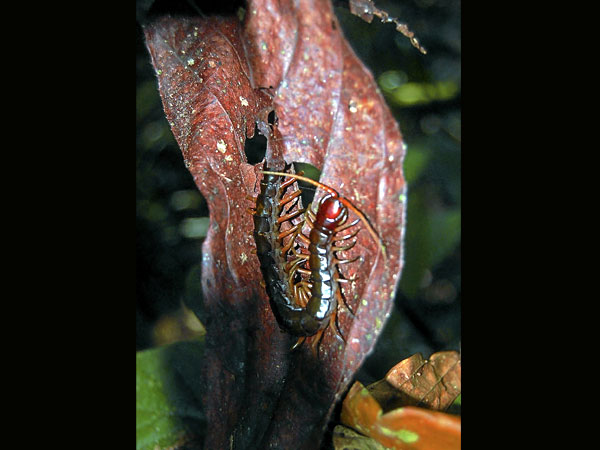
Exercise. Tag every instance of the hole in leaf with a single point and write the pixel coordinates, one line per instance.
(255, 147)
(272, 118)
(308, 190)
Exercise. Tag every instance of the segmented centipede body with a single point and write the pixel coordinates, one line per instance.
(323, 281)
(302, 307)
(271, 253)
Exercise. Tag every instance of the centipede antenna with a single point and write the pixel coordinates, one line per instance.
(329, 190)
(344, 201)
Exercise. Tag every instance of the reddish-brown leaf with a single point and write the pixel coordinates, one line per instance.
(211, 74)
(415, 381)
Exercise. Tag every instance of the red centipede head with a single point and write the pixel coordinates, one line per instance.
(331, 212)
(333, 216)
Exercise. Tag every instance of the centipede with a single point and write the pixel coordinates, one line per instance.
(303, 287)
(272, 252)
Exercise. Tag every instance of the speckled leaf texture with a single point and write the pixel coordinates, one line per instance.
(218, 78)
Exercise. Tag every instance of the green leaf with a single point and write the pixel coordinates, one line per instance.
(412, 93)
(445, 233)
(431, 236)
(455, 406)
(415, 161)
(168, 387)
(458, 400)
(417, 243)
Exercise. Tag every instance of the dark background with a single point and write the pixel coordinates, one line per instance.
(424, 94)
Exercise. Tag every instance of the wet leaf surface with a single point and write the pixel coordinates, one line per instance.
(218, 78)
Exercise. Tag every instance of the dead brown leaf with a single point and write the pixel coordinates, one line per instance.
(218, 78)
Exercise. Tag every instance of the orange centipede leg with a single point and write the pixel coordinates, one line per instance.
(347, 261)
(348, 225)
(286, 183)
(346, 280)
(315, 344)
(303, 295)
(348, 236)
(288, 231)
(303, 239)
(294, 265)
(290, 215)
(290, 197)
(290, 244)
(342, 249)
(299, 342)
(334, 319)
(343, 300)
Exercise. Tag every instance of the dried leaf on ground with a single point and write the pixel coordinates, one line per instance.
(432, 383)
